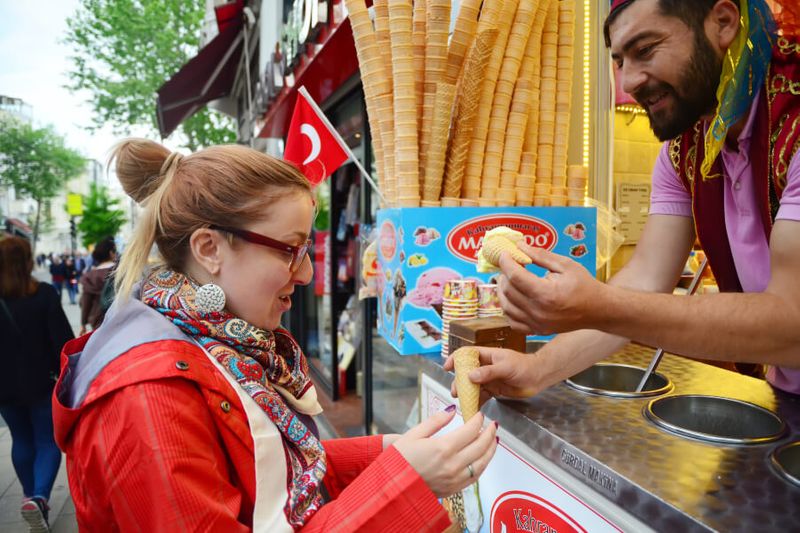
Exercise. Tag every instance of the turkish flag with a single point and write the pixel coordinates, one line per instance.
(312, 143)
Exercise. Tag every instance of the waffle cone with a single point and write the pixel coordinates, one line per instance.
(435, 158)
(418, 40)
(463, 36)
(494, 246)
(481, 131)
(437, 27)
(466, 113)
(467, 359)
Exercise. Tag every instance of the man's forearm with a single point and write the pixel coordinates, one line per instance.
(572, 352)
(754, 327)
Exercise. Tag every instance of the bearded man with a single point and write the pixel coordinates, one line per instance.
(721, 86)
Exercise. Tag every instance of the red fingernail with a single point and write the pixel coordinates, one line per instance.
(450, 408)
(498, 440)
(496, 425)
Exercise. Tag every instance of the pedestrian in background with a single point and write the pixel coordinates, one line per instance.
(33, 328)
(71, 279)
(92, 283)
(58, 273)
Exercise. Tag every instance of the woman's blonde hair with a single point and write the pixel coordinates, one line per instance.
(221, 185)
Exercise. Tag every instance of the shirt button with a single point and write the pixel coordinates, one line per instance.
(182, 365)
(225, 406)
(737, 185)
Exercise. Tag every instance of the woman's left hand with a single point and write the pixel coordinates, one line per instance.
(389, 439)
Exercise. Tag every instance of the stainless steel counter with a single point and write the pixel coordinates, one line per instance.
(670, 483)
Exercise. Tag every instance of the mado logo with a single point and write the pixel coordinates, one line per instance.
(521, 511)
(465, 240)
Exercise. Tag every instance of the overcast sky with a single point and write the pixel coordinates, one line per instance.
(33, 66)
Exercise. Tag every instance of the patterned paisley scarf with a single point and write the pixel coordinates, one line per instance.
(268, 365)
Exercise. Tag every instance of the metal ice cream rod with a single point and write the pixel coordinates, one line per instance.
(660, 352)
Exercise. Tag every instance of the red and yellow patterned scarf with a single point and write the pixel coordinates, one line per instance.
(269, 366)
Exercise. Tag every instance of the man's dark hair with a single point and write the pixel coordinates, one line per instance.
(103, 250)
(692, 12)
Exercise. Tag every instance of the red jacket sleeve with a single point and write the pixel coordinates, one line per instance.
(152, 456)
(347, 458)
(388, 496)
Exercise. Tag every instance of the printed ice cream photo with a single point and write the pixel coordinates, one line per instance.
(399, 292)
(424, 236)
(430, 287)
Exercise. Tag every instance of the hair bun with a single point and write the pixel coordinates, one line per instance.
(138, 164)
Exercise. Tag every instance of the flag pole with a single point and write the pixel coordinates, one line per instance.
(304, 93)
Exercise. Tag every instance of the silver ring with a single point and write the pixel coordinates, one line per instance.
(470, 470)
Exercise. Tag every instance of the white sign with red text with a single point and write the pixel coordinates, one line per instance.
(516, 495)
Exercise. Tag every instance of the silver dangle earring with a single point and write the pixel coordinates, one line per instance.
(210, 298)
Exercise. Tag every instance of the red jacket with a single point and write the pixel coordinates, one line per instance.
(161, 442)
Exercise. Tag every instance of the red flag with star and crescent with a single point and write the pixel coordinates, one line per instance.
(312, 143)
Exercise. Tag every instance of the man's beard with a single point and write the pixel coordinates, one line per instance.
(697, 95)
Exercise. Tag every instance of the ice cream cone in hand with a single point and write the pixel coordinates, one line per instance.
(466, 359)
(497, 241)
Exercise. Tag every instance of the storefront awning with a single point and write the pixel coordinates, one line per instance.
(207, 76)
(335, 62)
(16, 226)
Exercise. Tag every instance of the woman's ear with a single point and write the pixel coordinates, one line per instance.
(722, 24)
(206, 247)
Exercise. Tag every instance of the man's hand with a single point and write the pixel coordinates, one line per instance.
(502, 373)
(564, 300)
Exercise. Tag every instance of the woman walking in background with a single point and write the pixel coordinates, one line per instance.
(33, 328)
(71, 279)
(92, 310)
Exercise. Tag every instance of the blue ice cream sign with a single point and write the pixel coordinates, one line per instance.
(420, 249)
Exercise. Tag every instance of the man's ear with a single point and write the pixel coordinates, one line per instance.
(206, 247)
(722, 24)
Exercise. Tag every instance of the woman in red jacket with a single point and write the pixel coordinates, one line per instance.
(191, 409)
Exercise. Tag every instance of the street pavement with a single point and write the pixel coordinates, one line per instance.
(62, 510)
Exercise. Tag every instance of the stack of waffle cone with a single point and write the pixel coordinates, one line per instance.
(502, 104)
(463, 36)
(438, 24)
(501, 14)
(405, 103)
(467, 359)
(481, 120)
(526, 179)
(565, 55)
(479, 56)
(385, 102)
(547, 104)
(376, 87)
(418, 41)
(577, 179)
(532, 131)
(445, 95)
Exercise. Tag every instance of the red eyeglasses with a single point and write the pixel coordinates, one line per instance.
(297, 253)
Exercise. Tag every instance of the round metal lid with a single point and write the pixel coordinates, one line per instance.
(715, 419)
(619, 381)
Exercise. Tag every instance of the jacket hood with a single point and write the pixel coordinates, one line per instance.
(129, 325)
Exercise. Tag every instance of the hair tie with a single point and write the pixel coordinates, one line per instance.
(173, 160)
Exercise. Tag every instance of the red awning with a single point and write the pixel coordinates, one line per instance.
(335, 62)
(20, 225)
(207, 76)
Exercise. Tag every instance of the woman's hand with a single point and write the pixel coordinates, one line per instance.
(444, 462)
(389, 439)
